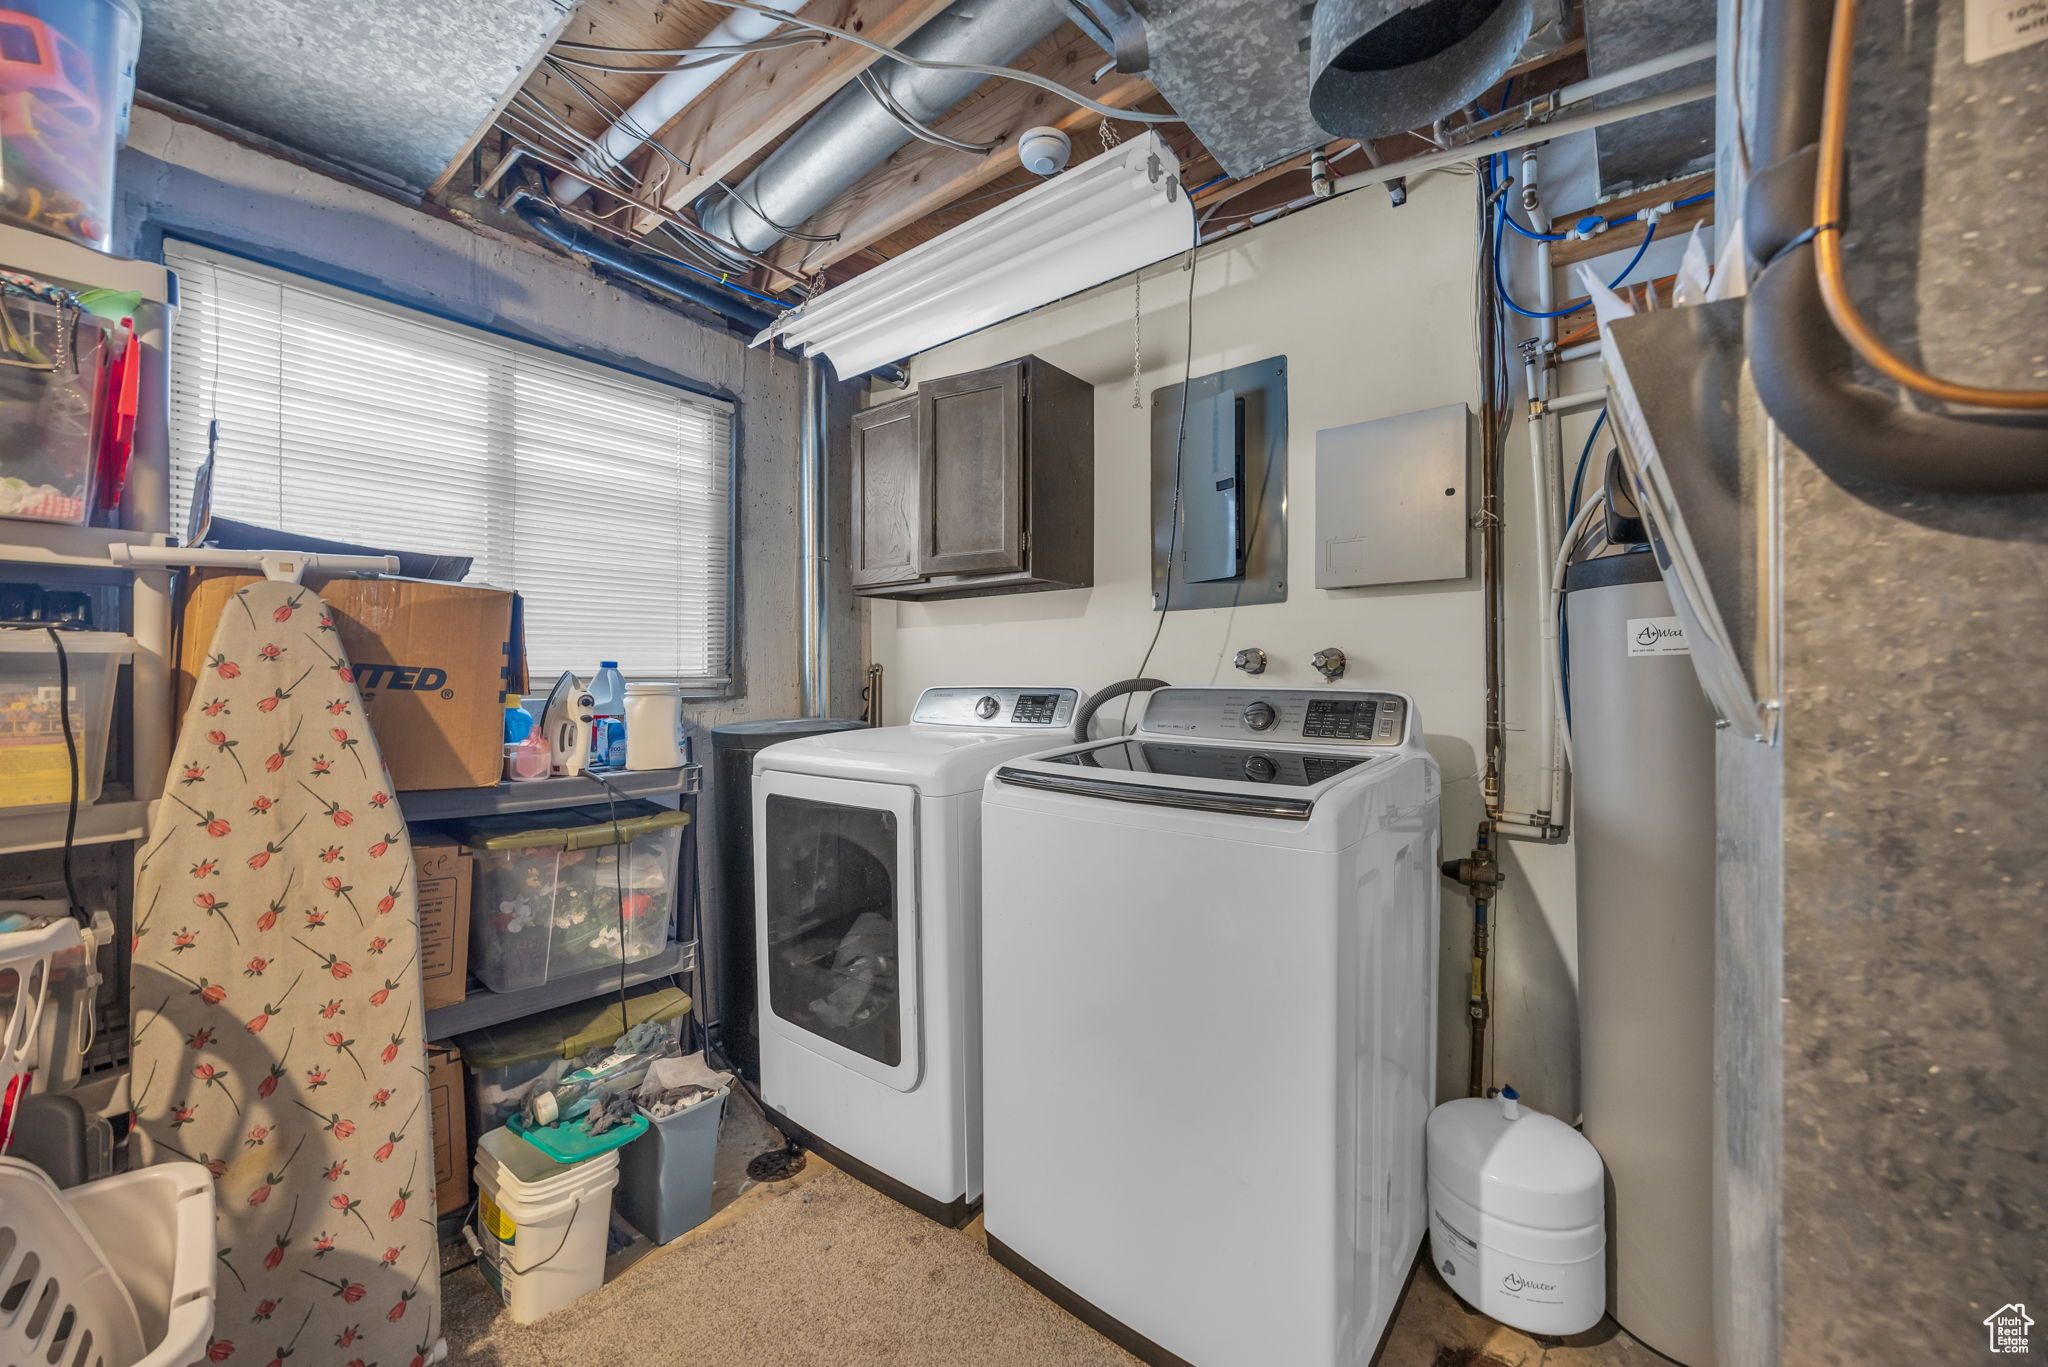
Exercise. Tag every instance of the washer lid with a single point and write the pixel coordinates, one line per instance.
(1269, 767)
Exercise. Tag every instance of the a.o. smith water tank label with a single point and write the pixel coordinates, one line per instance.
(1992, 28)
(1656, 636)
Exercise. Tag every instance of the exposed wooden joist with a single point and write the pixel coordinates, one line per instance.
(1630, 235)
(1578, 325)
(763, 97)
(921, 179)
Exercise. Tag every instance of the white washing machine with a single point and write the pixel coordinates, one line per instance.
(1209, 960)
(867, 885)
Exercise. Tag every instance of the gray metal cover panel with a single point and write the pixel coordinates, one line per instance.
(1391, 499)
(1238, 73)
(393, 87)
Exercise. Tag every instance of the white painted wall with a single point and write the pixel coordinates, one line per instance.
(1373, 307)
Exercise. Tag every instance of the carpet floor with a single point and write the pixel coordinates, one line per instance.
(817, 1272)
(821, 1271)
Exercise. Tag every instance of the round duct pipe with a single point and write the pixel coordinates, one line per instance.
(852, 133)
(1379, 67)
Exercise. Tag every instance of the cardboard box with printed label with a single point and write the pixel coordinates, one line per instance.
(430, 658)
(443, 869)
(451, 1138)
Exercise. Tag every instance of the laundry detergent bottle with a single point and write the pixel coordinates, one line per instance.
(608, 717)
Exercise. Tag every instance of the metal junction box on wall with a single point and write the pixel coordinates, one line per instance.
(1391, 499)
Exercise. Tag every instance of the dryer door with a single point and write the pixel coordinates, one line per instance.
(836, 924)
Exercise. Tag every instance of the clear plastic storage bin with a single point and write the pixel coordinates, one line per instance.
(46, 406)
(564, 891)
(507, 1061)
(67, 72)
(35, 765)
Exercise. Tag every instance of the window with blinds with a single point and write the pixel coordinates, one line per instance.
(602, 497)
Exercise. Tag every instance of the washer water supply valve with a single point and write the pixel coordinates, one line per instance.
(1251, 660)
(1329, 662)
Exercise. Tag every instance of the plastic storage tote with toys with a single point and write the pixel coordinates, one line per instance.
(565, 891)
(507, 1062)
(67, 73)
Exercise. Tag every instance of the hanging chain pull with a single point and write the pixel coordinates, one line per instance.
(1137, 336)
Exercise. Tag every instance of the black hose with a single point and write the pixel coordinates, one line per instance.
(1803, 368)
(643, 268)
(648, 270)
(1085, 713)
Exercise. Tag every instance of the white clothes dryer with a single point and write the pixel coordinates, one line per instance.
(867, 886)
(1209, 960)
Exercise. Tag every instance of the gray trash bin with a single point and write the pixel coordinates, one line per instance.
(665, 1175)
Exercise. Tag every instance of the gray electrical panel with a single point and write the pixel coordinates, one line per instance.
(1219, 488)
(1391, 499)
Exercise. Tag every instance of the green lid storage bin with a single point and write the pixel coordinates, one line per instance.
(564, 891)
(506, 1061)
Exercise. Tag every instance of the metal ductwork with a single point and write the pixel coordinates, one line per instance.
(853, 133)
(1380, 67)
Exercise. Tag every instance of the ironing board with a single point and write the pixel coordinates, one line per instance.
(276, 1001)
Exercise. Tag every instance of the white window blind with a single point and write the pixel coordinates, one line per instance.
(602, 497)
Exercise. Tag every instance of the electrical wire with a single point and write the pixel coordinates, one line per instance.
(922, 132)
(1828, 260)
(714, 55)
(534, 116)
(1585, 457)
(1180, 433)
(720, 276)
(611, 797)
(71, 753)
(753, 206)
(1005, 73)
(768, 44)
(619, 115)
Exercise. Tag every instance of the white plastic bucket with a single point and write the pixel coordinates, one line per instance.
(542, 1224)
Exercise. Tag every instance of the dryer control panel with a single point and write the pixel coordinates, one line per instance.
(1029, 708)
(1323, 716)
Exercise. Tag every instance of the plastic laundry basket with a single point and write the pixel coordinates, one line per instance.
(48, 986)
(116, 1273)
(542, 1224)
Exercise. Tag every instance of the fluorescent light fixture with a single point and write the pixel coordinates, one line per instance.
(1104, 218)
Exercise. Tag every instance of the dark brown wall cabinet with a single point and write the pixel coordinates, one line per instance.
(976, 484)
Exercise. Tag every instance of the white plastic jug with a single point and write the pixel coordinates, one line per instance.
(654, 723)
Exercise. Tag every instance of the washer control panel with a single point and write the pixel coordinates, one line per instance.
(1344, 716)
(1049, 708)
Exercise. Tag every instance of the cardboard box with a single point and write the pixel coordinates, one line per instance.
(443, 869)
(451, 1136)
(430, 658)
